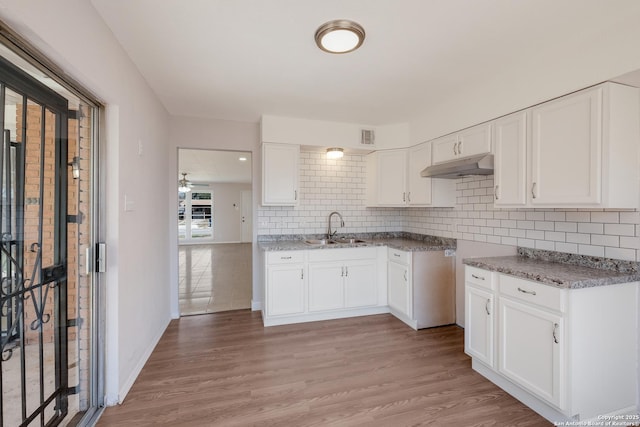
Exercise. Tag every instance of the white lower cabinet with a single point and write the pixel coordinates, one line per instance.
(566, 353)
(303, 286)
(286, 293)
(479, 332)
(532, 350)
(399, 288)
(340, 285)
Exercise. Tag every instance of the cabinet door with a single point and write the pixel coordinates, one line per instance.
(399, 289)
(419, 188)
(285, 289)
(474, 141)
(326, 288)
(566, 150)
(479, 326)
(510, 167)
(360, 285)
(531, 343)
(445, 148)
(392, 177)
(280, 174)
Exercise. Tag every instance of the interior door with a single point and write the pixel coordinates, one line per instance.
(247, 216)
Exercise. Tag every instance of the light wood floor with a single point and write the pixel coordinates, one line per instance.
(214, 277)
(225, 369)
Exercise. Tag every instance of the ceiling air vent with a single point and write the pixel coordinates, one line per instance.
(368, 137)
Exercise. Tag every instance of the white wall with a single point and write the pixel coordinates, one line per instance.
(589, 60)
(197, 133)
(71, 33)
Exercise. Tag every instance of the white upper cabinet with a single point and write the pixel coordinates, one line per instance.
(393, 179)
(466, 143)
(280, 174)
(566, 150)
(510, 161)
(578, 151)
(419, 191)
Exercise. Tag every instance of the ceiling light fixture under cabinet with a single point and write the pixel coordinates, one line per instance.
(335, 153)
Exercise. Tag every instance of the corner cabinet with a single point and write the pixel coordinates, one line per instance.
(578, 151)
(393, 179)
(566, 353)
(280, 174)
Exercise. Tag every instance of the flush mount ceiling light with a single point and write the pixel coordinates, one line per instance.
(339, 36)
(335, 153)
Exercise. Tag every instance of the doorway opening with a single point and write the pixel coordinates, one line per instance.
(214, 230)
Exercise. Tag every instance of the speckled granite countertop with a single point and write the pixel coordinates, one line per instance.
(403, 241)
(561, 270)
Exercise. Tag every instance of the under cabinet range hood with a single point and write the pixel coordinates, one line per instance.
(476, 165)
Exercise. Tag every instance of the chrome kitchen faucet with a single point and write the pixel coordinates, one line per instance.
(329, 233)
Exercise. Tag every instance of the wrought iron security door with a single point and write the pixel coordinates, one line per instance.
(33, 249)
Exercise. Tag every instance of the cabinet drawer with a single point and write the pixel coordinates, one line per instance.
(399, 256)
(532, 292)
(478, 276)
(285, 257)
(342, 254)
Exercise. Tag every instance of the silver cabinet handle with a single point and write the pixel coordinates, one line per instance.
(405, 276)
(404, 197)
(524, 291)
(409, 197)
(295, 194)
(460, 147)
(555, 329)
(495, 192)
(302, 274)
(455, 148)
(533, 190)
(477, 277)
(346, 272)
(342, 274)
(285, 257)
(486, 307)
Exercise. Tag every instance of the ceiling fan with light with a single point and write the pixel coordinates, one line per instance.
(184, 185)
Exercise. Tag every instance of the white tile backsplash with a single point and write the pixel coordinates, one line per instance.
(339, 185)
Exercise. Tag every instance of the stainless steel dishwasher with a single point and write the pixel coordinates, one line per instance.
(421, 287)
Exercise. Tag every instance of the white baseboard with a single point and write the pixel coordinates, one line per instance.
(338, 314)
(126, 386)
(256, 305)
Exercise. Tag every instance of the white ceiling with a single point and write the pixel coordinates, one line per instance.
(238, 59)
(214, 166)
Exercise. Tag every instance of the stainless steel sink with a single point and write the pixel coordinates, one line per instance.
(319, 242)
(345, 240)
